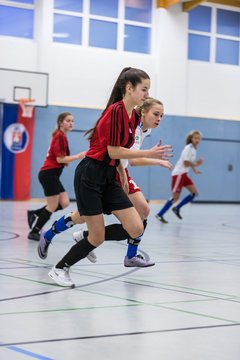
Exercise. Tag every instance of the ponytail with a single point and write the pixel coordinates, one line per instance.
(127, 75)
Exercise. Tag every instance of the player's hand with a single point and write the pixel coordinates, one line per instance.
(199, 162)
(81, 155)
(124, 182)
(166, 164)
(161, 152)
(196, 171)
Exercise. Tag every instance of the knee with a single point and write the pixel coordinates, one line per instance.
(145, 211)
(65, 203)
(136, 230)
(95, 240)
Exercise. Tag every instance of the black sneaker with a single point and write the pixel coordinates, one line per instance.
(161, 218)
(34, 236)
(31, 216)
(177, 212)
(43, 246)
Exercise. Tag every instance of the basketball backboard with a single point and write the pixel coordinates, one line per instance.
(18, 84)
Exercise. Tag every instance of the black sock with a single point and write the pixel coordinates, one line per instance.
(77, 252)
(42, 219)
(38, 211)
(113, 232)
(59, 207)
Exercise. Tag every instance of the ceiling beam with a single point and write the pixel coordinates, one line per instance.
(189, 5)
(166, 3)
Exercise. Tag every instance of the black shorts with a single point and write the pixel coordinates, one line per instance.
(97, 190)
(50, 182)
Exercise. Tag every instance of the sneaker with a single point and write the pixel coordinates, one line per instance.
(34, 236)
(77, 236)
(61, 276)
(161, 218)
(92, 257)
(177, 212)
(137, 261)
(43, 246)
(31, 217)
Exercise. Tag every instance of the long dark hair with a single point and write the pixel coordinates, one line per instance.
(60, 120)
(127, 75)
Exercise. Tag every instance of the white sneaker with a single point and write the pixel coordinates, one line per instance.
(92, 257)
(77, 236)
(61, 276)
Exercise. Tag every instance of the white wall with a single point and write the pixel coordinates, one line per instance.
(84, 76)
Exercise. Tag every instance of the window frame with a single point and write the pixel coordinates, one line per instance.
(120, 21)
(19, 5)
(214, 35)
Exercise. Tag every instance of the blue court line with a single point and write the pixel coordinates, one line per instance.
(28, 353)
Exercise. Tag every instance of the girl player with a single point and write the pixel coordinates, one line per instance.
(151, 113)
(96, 188)
(58, 156)
(180, 177)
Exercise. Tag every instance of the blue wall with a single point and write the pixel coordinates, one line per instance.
(220, 148)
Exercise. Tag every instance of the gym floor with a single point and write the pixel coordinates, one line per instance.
(185, 307)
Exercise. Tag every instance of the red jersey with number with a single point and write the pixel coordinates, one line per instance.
(58, 148)
(115, 128)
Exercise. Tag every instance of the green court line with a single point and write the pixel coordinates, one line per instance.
(165, 307)
(146, 281)
(68, 309)
(100, 307)
(212, 293)
(185, 301)
(22, 278)
(200, 314)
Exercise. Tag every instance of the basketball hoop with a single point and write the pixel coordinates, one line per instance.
(27, 107)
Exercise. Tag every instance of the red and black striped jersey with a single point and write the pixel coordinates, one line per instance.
(58, 148)
(115, 128)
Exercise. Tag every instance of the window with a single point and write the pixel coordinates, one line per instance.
(103, 34)
(69, 5)
(199, 24)
(123, 25)
(16, 21)
(67, 29)
(214, 35)
(137, 39)
(227, 52)
(23, 1)
(67, 21)
(104, 8)
(228, 22)
(200, 19)
(228, 37)
(198, 47)
(138, 10)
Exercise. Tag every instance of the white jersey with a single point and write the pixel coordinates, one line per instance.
(189, 153)
(139, 137)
